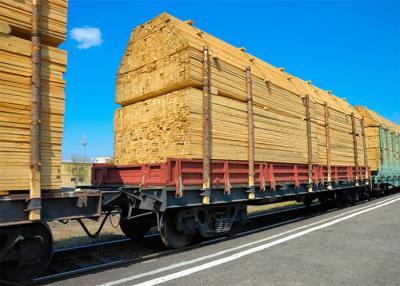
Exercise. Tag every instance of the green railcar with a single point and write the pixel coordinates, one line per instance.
(389, 171)
(383, 146)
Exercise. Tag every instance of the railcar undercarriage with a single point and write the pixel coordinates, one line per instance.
(28, 245)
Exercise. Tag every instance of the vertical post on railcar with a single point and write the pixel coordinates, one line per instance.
(394, 148)
(355, 146)
(328, 146)
(309, 144)
(398, 155)
(389, 161)
(206, 125)
(394, 161)
(365, 151)
(34, 205)
(250, 122)
(398, 148)
(382, 139)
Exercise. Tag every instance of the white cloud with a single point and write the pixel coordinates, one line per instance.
(86, 37)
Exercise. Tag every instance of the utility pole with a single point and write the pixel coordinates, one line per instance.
(84, 143)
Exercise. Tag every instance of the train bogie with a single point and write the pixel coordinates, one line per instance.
(25, 245)
(25, 251)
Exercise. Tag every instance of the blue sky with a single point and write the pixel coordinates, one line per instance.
(352, 48)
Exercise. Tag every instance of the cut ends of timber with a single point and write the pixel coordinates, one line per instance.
(5, 28)
(53, 18)
(373, 119)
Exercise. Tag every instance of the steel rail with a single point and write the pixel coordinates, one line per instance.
(157, 255)
(315, 209)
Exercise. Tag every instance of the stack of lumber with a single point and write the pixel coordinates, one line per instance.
(171, 125)
(373, 119)
(159, 85)
(165, 54)
(379, 131)
(16, 95)
(53, 22)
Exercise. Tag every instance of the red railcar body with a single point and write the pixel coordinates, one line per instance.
(224, 174)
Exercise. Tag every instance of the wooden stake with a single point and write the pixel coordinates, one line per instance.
(365, 150)
(398, 149)
(328, 146)
(309, 143)
(389, 160)
(206, 124)
(355, 145)
(35, 166)
(394, 161)
(382, 140)
(250, 122)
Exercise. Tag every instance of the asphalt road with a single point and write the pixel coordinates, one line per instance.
(358, 245)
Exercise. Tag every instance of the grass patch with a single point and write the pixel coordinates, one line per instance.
(72, 234)
(252, 210)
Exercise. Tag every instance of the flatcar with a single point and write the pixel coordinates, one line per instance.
(205, 129)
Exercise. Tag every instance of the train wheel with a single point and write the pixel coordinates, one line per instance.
(323, 199)
(307, 200)
(170, 235)
(25, 252)
(339, 200)
(135, 229)
(235, 229)
(356, 196)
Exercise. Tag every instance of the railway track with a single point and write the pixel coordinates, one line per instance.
(81, 260)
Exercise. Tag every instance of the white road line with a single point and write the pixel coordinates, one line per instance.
(193, 261)
(148, 261)
(238, 255)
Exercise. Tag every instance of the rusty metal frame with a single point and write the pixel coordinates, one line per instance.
(250, 122)
(227, 176)
(60, 205)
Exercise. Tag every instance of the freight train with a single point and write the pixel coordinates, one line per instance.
(263, 136)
